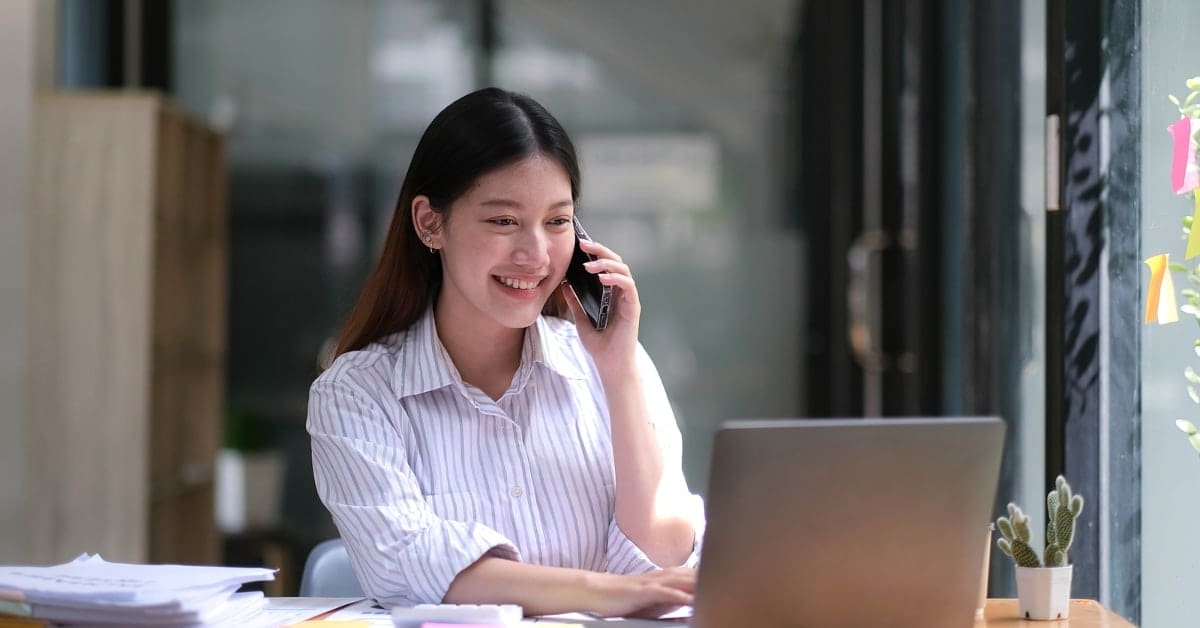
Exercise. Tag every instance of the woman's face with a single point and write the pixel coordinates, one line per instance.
(505, 245)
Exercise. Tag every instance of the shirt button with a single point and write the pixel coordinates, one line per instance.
(516, 491)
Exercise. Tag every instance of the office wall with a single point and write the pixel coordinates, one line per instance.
(18, 19)
(1032, 230)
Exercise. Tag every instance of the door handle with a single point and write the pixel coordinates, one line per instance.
(861, 300)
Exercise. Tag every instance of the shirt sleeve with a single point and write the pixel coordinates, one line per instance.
(624, 556)
(402, 552)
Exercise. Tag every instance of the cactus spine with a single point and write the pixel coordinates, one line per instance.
(1015, 542)
(1067, 509)
(1062, 509)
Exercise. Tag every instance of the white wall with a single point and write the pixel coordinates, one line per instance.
(18, 20)
(1031, 475)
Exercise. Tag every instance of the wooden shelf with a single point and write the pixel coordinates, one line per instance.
(127, 329)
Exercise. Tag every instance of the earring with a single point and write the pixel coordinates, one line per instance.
(428, 239)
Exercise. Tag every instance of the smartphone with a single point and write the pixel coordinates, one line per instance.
(595, 296)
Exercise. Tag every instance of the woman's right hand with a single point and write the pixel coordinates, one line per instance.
(542, 590)
(649, 594)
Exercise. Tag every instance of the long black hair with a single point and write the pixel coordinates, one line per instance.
(474, 135)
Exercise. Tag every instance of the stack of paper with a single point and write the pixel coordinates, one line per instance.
(92, 591)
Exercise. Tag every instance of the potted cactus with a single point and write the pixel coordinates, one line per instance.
(1043, 586)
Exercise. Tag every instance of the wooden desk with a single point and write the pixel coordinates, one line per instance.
(1000, 613)
(1084, 614)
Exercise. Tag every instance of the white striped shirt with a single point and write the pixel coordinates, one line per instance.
(424, 474)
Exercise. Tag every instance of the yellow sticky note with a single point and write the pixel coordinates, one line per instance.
(1160, 297)
(1167, 312)
(1193, 246)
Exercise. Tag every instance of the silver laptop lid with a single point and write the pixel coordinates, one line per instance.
(847, 522)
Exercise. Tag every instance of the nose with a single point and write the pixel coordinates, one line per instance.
(532, 248)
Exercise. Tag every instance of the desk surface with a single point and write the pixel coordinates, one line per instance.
(1084, 614)
(1000, 613)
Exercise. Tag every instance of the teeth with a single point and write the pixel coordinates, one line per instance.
(520, 285)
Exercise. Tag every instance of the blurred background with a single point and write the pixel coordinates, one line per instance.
(832, 209)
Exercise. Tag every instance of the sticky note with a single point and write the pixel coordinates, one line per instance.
(1193, 245)
(1160, 297)
(1185, 172)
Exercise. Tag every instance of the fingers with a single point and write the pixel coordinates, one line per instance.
(662, 600)
(669, 595)
(599, 250)
(605, 265)
(652, 594)
(653, 612)
(687, 582)
(628, 288)
(658, 600)
(681, 578)
(610, 269)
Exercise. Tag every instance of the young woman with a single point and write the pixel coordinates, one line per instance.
(473, 444)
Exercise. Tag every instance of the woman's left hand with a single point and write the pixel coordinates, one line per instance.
(613, 348)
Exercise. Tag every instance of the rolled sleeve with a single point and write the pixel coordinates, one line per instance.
(401, 549)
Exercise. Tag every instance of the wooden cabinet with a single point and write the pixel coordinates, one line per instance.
(126, 329)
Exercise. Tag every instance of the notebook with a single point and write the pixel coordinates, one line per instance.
(857, 522)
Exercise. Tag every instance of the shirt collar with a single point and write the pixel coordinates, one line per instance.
(548, 342)
(424, 365)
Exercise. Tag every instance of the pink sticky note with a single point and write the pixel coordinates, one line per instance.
(1185, 173)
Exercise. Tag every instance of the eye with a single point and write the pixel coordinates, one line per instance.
(502, 222)
(561, 221)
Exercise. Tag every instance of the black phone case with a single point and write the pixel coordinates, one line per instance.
(595, 297)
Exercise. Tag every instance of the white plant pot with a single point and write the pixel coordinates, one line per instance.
(249, 490)
(1044, 592)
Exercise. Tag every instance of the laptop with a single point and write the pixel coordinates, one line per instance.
(858, 522)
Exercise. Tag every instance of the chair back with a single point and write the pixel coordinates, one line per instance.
(327, 572)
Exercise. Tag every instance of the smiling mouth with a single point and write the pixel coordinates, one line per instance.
(517, 284)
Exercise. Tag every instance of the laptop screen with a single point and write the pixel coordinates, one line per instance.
(848, 522)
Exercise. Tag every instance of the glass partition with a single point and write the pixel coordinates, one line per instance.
(1171, 469)
(677, 123)
(664, 184)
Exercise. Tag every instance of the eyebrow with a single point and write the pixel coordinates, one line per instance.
(507, 202)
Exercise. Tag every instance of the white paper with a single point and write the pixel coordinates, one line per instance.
(236, 605)
(281, 611)
(89, 589)
(96, 580)
(366, 609)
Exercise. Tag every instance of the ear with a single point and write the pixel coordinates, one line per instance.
(427, 222)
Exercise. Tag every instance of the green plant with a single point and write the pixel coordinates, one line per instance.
(246, 431)
(1192, 307)
(1062, 510)
(1190, 108)
(1192, 433)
